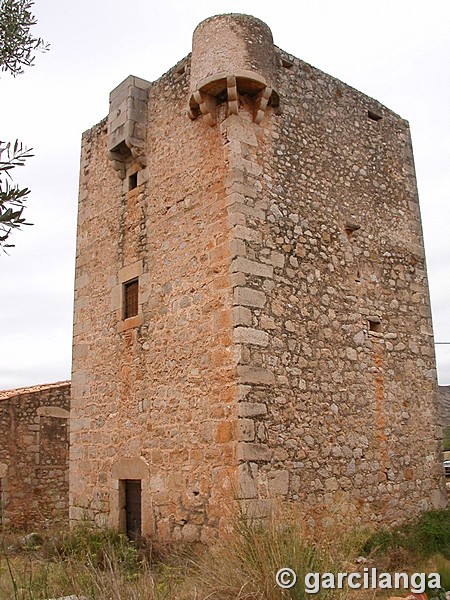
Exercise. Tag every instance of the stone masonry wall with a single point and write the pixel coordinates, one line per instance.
(153, 394)
(444, 403)
(343, 418)
(282, 349)
(34, 456)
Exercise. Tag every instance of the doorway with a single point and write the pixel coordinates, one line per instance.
(132, 507)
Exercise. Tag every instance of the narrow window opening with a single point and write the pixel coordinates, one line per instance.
(132, 181)
(375, 325)
(130, 494)
(374, 116)
(2, 507)
(130, 298)
(222, 97)
(287, 64)
(180, 71)
(350, 229)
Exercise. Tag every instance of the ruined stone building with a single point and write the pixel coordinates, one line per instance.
(34, 456)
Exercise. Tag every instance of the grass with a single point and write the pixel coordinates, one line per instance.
(243, 566)
(421, 538)
(104, 565)
(424, 541)
(446, 440)
(95, 563)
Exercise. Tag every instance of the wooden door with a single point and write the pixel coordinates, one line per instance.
(133, 494)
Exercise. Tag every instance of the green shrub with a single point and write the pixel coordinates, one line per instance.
(446, 440)
(99, 546)
(427, 535)
(443, 568)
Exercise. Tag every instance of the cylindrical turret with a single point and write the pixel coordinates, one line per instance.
(232, 52)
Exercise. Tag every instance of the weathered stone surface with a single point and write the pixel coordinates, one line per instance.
(34, 456)
(256, 508)
(253, 452)
(444, 404)
(245, 233)
(244, 265)
(249, 297)
(247, 474)
(278, 483)
(282, 344)
(246, 430)
(248, 335)
(242, 315)
(251, 409)
(255, 375)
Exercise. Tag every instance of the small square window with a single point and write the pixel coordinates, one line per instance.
(130, 298)
(132, 181)
(374, 115)
(375, 325)
(287, 64)
(350, 229)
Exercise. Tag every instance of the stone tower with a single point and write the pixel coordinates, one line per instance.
(252, 320)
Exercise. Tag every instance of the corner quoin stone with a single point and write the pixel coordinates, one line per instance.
(255, 375)
(249, 297)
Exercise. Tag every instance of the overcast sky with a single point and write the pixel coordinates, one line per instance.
(397, 51)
